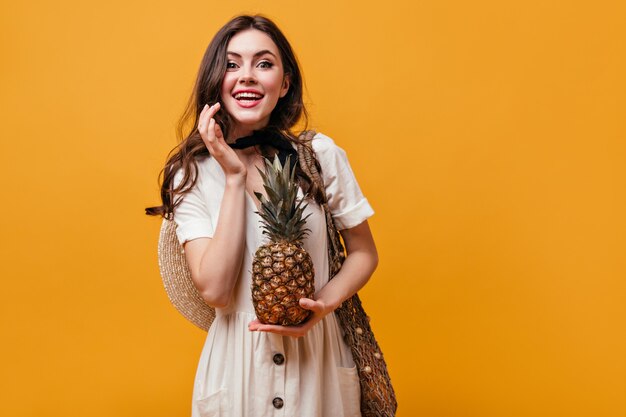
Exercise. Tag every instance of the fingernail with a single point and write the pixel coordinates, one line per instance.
(205, 106)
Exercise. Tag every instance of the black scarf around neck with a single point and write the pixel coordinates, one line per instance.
(283, 147)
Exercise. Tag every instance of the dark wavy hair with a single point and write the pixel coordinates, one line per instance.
(288, 112)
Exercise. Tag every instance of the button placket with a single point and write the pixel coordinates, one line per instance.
(279, 371)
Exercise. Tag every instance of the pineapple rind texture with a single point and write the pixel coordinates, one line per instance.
(282, 274)
(282, 271)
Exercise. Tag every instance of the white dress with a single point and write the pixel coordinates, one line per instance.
(243, 373)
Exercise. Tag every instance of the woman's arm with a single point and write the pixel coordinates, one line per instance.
(360, 263)
(215, 262)
(358, 267)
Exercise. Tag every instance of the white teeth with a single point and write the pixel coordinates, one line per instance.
(248, 95)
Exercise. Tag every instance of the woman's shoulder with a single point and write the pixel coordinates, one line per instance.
(207, 168)
(323, 144)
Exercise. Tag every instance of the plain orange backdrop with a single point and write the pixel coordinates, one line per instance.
(489, 136)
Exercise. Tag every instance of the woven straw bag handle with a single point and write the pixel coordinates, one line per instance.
(377, 395)
(308, 163)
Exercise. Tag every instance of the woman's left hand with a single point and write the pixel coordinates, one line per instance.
(319, 309)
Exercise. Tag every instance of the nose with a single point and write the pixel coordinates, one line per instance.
(247, 76)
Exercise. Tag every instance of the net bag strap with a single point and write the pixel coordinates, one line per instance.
(377, 395)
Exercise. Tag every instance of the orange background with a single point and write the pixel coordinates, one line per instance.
(489, 136)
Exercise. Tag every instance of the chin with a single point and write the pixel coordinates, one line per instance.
(250, 123)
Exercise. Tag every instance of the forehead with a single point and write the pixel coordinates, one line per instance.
(250, 41)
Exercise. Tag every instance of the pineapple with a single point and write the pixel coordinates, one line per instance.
(282, 271)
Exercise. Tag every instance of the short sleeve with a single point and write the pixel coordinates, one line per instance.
(347, 204)
(192, 215)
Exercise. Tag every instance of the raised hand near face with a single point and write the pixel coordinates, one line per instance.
(213, 138)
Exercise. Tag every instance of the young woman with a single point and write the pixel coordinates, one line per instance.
(249, 86)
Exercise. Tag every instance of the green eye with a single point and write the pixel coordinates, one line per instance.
(265, 64)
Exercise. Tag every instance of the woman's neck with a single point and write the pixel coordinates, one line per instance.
(239, 133)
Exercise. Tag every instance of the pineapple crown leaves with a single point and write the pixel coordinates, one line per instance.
(281, 213)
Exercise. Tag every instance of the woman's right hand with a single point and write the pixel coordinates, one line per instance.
(213, 138)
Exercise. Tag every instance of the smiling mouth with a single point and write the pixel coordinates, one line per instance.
(248, 96)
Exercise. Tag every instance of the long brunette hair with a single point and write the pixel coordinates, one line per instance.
(288, 111)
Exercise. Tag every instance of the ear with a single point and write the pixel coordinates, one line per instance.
(285, 87)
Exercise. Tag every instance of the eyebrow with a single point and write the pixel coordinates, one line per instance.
(263, 52)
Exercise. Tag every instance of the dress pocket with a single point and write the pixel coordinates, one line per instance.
(213, 405)
(350, 389)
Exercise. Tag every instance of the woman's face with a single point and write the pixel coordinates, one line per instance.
(254, 81)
